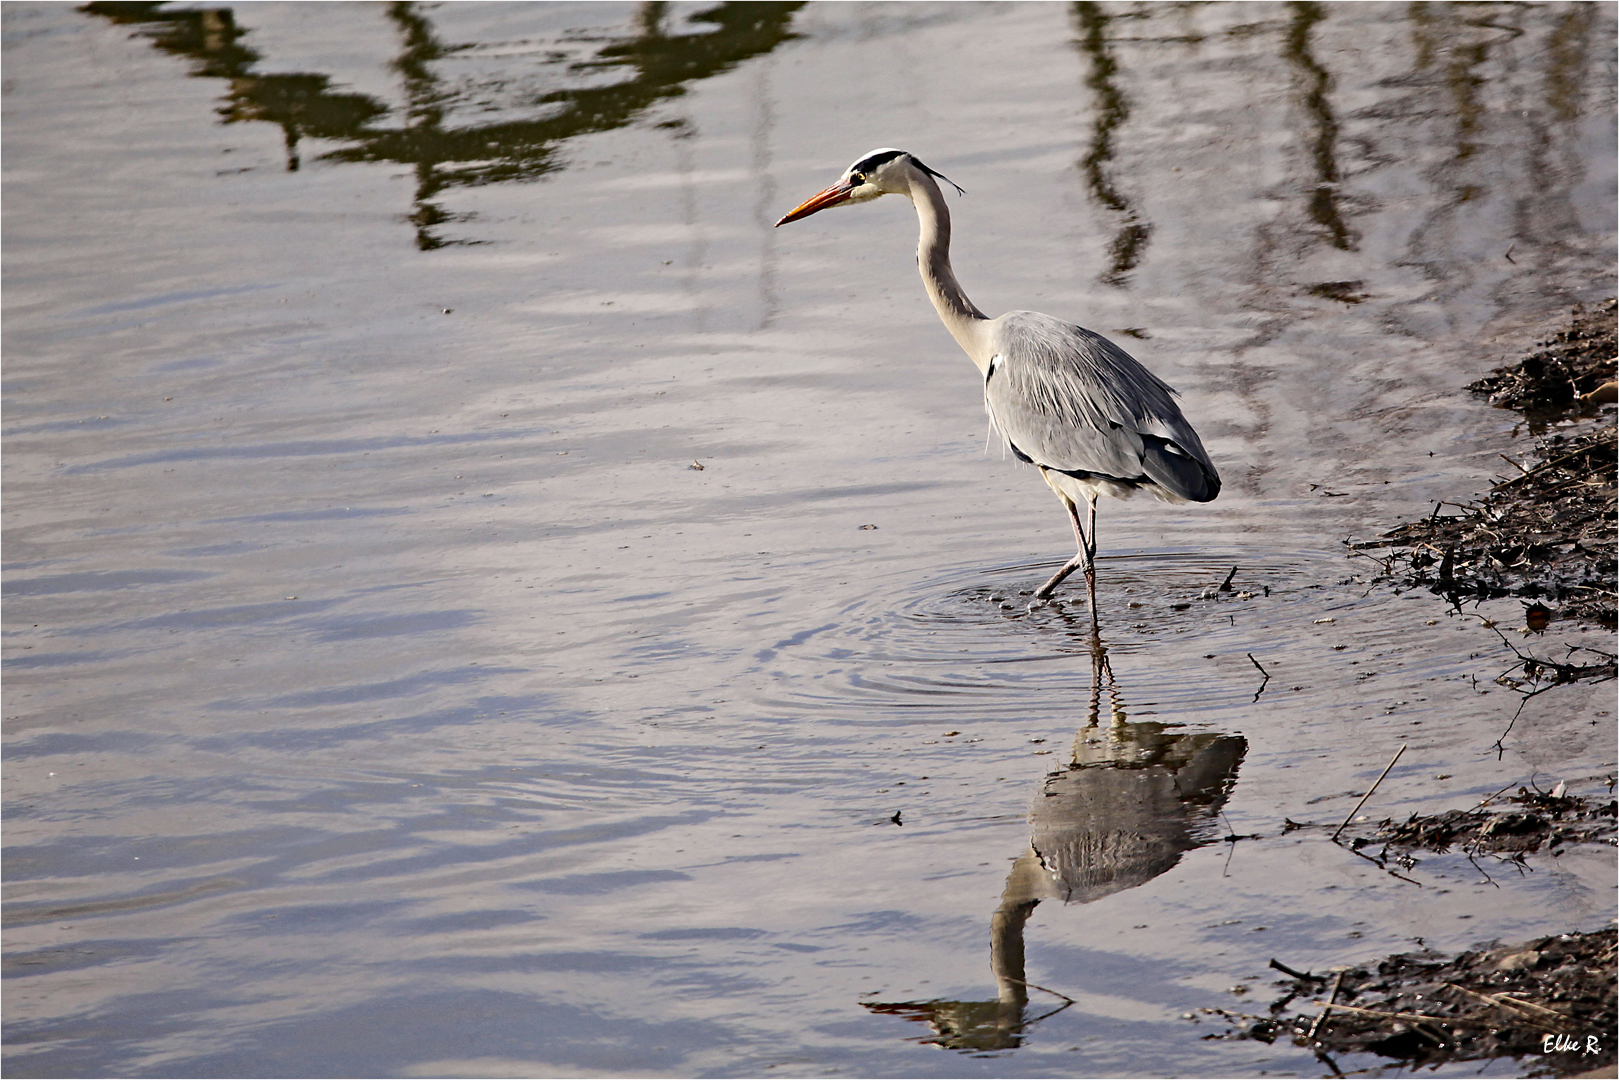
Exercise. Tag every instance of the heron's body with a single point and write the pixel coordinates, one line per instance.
(1065, 399)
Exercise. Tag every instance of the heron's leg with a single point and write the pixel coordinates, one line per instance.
(1044, 592)
(1081, 560)
(1087, 542)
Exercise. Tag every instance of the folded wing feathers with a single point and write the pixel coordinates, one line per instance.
(1074, 401)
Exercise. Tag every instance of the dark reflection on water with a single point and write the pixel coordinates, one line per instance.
(1133, 798)
(443, 155)
(300, 103)
(1490, 121)
(1458, 48)
(1112, 110)
(1565, 86)
(1317, 82)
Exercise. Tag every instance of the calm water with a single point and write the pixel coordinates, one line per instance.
(387, 693)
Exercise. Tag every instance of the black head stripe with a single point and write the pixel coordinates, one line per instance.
(866, 165)
(870, 162)
(938, 175)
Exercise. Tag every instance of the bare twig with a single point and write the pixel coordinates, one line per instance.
(1384, 867)
(1263, 672)
(1368, 794)
(1490, 798)
(1321, 1056)
(1480, 869)
(1537, 470)
(1521, 1004)
(1500, 744)
(1337, 981)
(1302, 976)
(1394, 1015)
(1550, 1019)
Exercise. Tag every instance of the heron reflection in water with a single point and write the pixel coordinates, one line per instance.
(1133, 797)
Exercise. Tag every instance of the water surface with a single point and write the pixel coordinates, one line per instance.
(387, 693)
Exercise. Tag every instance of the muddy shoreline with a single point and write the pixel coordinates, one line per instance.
(1542, 820)
(1545, 535)
(1549, 1000)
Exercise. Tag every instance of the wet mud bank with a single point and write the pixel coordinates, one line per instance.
(1549, 1001)
(1547, 533)
(1541, 820)
(1574, 367)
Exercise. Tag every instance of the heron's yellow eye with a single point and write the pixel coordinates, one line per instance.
(855, 179)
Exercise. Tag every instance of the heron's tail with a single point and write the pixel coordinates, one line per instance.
(1179, 473)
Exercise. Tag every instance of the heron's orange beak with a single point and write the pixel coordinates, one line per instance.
(833, 195)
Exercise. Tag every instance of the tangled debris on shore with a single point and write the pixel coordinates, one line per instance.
(1545, 820)
(1571, 368)
(1551, 1000)
(1547, 533)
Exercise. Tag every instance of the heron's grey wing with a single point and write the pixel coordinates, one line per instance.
(1073, 401)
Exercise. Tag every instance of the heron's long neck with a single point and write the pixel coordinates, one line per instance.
(960, 316)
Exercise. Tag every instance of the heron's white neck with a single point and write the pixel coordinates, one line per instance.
(960, 315)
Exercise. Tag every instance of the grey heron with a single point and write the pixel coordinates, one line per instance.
(1065, 399)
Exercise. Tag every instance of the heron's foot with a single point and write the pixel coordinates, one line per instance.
(1044, 592)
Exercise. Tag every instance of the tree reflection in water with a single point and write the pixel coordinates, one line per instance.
(657, 65)
(1132, 799)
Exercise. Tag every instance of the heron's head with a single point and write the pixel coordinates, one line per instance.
(881, 172)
